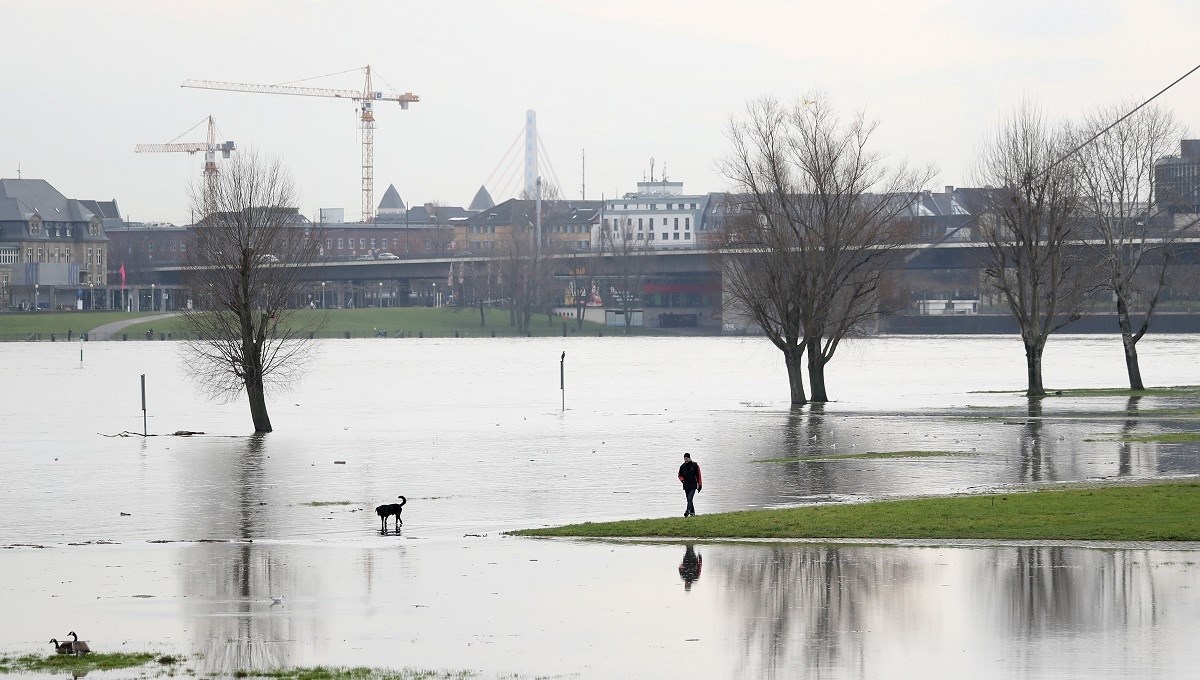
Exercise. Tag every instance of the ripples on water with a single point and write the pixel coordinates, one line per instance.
(472, 433)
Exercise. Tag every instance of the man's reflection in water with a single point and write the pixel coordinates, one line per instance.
(689, 568)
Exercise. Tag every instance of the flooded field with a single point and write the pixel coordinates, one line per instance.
(260, 551)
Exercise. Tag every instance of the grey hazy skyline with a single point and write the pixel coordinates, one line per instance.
(84, 82)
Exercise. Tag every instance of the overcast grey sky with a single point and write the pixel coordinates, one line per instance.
(84, 81)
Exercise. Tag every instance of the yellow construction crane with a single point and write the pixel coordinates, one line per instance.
(365, 98)
(210, 149)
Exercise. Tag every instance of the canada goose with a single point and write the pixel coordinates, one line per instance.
(78, 646)
(61, 647)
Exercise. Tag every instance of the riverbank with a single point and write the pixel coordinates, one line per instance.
(1163, 511)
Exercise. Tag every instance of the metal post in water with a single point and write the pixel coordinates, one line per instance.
(562, 379)
(144, 404)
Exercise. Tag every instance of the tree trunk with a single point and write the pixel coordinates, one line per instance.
(1131, 358)
(816, 370)
(1131, 363)
(258, 405)
(1033, 364)
(793, 358)
(482, 321)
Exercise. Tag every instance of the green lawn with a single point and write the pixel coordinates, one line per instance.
(881, 455)
(78, 666)
(1151, 512)
(412, 321)
(151, 666)
(18, 326)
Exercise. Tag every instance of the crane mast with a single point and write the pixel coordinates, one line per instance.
(365, 98)
(210, 149)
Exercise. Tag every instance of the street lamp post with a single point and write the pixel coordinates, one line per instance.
(92, 296)
(152, 298)
(322, 295)
(35, 297)
(379, 299)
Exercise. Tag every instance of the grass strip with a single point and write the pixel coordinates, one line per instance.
(1162, 437)
(1150, 512)
(78, 666)
(881, 455)
(70, 663)
(356, 673)
(1171, 391)
(436, 321)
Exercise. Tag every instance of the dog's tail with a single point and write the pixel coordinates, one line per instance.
(403, 500)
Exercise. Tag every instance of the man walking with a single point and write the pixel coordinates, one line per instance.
(689, 474)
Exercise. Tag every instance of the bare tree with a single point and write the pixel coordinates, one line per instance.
(244, 270)
(525, 269)
(582, 283)
(628, 261)
(809, 255)
(550, 192)
(1026, 234)
(1117, 174)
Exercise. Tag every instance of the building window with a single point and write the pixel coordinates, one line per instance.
(9, 256)
(687, 223)
(329, 243)
(639, 236)
(676, 236)
(639, 223)
(687, 236)
(372, 244)
(362, 244)
(339, 244)
(67, 255)
(41, 254)
(651, 236)
(677, 223)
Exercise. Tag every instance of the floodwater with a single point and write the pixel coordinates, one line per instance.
(252, 552)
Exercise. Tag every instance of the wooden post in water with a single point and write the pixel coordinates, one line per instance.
(562, 379)
(144, 405)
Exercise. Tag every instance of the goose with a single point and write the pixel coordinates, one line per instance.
(61, 647)
(78, 646)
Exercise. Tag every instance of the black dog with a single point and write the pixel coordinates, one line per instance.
(385, 511)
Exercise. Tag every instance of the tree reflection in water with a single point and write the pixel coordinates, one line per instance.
(242, 628)
(1041, 591)
(806, 607)
(1125, 452)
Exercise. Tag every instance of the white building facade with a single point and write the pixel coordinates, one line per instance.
(658, 215)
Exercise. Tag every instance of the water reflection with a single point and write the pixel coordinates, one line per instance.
(831, 611)
(1034, 467)
(689, 568)
(1125, 451)
(1059, 590)
(803, 609)
(242, 622)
